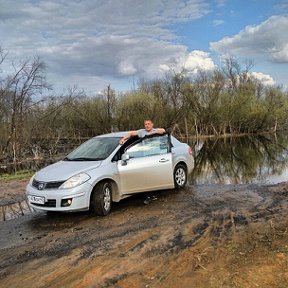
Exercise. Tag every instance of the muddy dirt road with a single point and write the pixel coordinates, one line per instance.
(202, 236)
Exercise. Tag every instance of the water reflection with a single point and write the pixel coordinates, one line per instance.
(249, 159)
(14, 210)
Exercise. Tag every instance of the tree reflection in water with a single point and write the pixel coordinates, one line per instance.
(235, 160)
(12, 210)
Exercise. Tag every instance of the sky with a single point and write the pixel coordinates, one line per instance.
(96, 43)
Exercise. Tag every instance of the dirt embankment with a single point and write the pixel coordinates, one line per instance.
(202, 236)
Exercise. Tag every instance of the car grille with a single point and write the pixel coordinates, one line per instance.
(46, 185)
(48, 203)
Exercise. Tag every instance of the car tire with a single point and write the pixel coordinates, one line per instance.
(101, 201)
(180, 176)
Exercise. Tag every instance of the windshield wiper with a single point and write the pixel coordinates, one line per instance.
(66, 159)
(84, 159)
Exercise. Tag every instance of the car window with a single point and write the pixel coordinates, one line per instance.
(97, 148)
(149, 146)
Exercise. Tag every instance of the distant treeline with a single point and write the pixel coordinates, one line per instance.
(226, 101)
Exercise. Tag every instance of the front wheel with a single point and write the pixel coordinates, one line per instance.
(101, 200)
(180, 176)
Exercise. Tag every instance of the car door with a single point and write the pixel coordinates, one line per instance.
(147, 165)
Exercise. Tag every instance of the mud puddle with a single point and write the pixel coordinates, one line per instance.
(11, 209)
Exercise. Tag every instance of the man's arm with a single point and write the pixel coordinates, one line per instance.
(160, 131)
(127, 136)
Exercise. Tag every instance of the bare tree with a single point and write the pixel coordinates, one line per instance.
(27, 80)
(232, 71)
(111, 103)
(2, 100)
(3, 55)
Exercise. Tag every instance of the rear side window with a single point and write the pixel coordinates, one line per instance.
(149, 147)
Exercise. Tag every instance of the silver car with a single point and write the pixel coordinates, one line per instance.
(100, 171)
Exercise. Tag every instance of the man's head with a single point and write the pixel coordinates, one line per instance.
(148, 124)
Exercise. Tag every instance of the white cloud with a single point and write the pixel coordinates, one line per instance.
(192, 63)
(263, 78)
(126, 68)
(116, 56)
(196, 61)
(268, 41)
(220, 3)
(98, 38)
(218, 22)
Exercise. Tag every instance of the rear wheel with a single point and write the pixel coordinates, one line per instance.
(180, 176)
(101, 200)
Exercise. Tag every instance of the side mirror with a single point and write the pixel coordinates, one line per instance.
(124, 158)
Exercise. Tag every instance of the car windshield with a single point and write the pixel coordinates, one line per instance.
(94, 149)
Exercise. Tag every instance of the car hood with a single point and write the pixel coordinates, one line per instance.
(63, 170)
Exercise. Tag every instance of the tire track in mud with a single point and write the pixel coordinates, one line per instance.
(218, 226)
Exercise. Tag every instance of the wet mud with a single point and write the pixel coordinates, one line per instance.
(202, 236)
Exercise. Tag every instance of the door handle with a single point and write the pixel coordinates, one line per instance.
(162, 160)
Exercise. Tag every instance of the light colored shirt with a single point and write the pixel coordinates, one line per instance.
(142, 132)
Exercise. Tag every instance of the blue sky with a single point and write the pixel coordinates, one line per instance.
(94, 43)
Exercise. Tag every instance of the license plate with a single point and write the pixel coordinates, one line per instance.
(36, 199)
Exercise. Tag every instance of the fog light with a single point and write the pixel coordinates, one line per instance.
(66, 202)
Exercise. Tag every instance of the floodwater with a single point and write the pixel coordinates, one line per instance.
(14, 210)
(241, 160)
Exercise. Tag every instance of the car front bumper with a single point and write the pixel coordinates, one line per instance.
(53, 199)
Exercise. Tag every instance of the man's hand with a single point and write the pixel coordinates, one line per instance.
(122, 141)
(127, 136)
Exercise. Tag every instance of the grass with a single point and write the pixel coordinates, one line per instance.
(19, 175)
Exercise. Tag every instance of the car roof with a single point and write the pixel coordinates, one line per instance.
(114, 134)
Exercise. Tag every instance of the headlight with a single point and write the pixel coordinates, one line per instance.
(75, 181)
